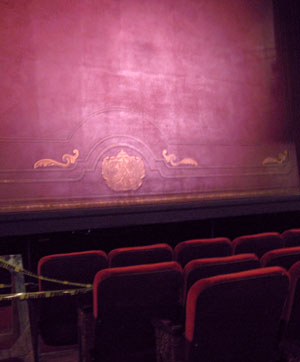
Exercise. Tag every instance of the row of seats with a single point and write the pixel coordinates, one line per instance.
(58, 320)
(200, 259)
(267, 246)
(243, 305)
(232, 315)
(185, 251)
(258, 244)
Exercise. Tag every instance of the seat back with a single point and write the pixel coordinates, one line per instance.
(58, 317)
(203, 268)
(292, 308)
(126, 299)
(236, 317)
(149, 254)
(6, 309)
(258, 244)
(6, 287)
(291, 238)
(284, 257)
(201, 248)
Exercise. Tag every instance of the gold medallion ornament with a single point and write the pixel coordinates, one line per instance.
(123, 172)
(66, 158)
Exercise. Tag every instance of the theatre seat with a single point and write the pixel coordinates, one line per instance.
(291, 238)
(201, 248)
(258, 244)
(292, 308)
(235, 317)
(7, 329)
(284, 257)
(126, 299)
(58, 316)
(203, 268)
(149, 254)
(229, 318)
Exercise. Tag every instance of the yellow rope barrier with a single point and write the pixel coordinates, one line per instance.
(2, 286)
(44, 294)
(4, 264)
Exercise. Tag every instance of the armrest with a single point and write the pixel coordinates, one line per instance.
(169, 337)
(168, 326)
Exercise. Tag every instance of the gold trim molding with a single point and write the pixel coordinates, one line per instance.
(143, 201)
(66, 158)
(171, 159)
(123, 172)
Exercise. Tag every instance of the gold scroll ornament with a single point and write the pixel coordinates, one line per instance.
(67, 161)
(272, 161)
(171, 159)
(123, 172)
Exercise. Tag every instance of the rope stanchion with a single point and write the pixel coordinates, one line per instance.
(6, 265)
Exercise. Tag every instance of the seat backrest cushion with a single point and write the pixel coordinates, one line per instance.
(126, 299)
(147, 286)
(258, 244)
(6, 278)
(291, 238)
(201, 248)
(58, 316)
(157, 253)
(235, 317)
(78, 267)
(292, 308)
(203, 268)
(284, 257)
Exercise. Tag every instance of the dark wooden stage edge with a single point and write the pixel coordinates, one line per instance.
(93, 215)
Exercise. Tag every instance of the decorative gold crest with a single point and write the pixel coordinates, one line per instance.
(67, 161)
(280, 160)
(171, 159)
(123, 172)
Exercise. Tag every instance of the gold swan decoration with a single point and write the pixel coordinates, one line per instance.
(66, 158)
(272, 161)
(171, 159)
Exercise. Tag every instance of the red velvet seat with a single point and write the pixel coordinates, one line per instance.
(126, 299)
(58, 317)
(201, 248)
(292, 308)
(258, 244)
(6, 312)
(291, 238)
(5, 278)
(203, 268)
(235, 317)
(149, 254)
(284, 257)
